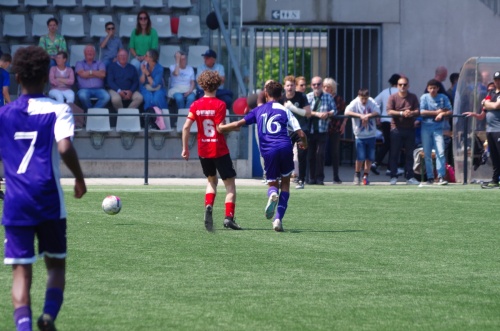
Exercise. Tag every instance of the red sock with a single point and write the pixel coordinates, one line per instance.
(209, 199)
(230, 209)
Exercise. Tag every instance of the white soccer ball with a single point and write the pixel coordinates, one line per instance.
(111, 205)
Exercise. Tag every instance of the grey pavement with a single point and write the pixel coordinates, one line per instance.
(346, 173)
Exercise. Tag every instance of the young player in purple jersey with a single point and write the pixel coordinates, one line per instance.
(34, 131)
(273, 122)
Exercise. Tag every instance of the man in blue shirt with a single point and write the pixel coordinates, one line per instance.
(110, 45)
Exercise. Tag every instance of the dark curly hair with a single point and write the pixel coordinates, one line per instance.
(209, 80)
(31, 65)
(274, 89)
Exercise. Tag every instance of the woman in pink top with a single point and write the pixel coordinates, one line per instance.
(61, 79)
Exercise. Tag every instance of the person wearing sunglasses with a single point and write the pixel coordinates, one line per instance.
(110, 45)
(142, 39)
(404, 107)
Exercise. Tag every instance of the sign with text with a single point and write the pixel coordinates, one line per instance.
(285, 14)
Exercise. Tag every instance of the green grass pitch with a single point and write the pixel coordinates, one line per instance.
(351, 258)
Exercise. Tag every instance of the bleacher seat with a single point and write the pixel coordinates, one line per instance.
(14, 48)
(181, 4)
(167, 52)
(127, 25)
(158, 136)
(39, 27)
(64, 3)
(98, 126)
(189, 27)
(94, 3)
(122, 3)
(194, 55)
(76, 54)
(35, 3)
(72, 26)
(97, 25)
(128, 126)
(14, 25)
(161, 23)
(9, 3)
(181, 119)
(152, 3)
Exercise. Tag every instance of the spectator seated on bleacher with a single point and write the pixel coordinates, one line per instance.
(53, 42)
(90, 75)
(151, 80)
(123, 83)
(61, 79)
(210, 58)
(181, 81)
(142, 39)
(110, 45)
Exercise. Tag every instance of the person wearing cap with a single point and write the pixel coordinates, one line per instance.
(385, 122)
(210, 58)
(491, 111)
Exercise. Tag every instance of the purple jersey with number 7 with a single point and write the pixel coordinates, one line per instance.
(29, 130)
(274, 121)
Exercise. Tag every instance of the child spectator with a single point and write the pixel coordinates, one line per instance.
(5, 60)
(363, 111)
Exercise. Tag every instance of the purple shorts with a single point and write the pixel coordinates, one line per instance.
(20, 242)
(278, 163)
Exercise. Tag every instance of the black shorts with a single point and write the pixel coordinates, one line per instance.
(223, 164)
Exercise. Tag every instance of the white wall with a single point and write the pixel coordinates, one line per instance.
(418, 35)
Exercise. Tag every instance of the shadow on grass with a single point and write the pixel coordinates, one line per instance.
(302, 230)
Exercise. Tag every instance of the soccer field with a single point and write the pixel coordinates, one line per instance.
(351, 258)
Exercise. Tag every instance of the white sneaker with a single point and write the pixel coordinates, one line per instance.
(412, 181)
(277, 225)
(427, 183)
(442, 181)
(272, 202)
(400, 172)
(394, 180)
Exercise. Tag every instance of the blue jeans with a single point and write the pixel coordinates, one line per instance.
(365, 149)
(85, 94)
(154, 98)
(183, 102)
(432, 138)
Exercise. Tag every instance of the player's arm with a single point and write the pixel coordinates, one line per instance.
(302, 143)
(185, 138)
(6, 95)
(233, 126)
(70, 158)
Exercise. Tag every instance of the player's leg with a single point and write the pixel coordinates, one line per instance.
(210, 171)
(52, 244)
(228, 174)
(271, 166)
(21, 285)
(286, 168)
(20, 253)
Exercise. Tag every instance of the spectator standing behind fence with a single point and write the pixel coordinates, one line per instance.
(323, 107)
(61, 79)
(363, 111)
(110, 45)
(123, 83)
(491, 110)
(434, 109)
(90, 75)
(336, 127)
(210, 63)
(53, 42)
(5, 60)
(404, 109)
(143, 38)
(298, 104)
(182, 84)
(385, 122)
(152, 86)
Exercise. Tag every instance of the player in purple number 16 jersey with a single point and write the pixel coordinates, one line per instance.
(34, 131)
(274, 121)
